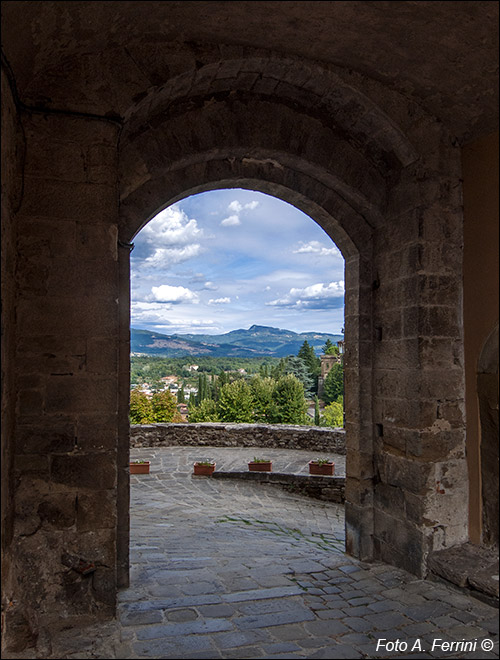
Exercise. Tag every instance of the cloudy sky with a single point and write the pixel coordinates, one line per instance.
(227, 259)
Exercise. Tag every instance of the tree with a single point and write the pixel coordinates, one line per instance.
(141, 409)
(313, 362)
(262, 392)
(317, 417)
(164, 406)
(278, 370)
(298, 367)
(288, 398)
(333, 414)
(330, 349)
(181, 397)
(205, 412)
(235, 402)
(334, 383)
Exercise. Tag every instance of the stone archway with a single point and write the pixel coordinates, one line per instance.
(487, 393)
(345, 163)
(155, 174)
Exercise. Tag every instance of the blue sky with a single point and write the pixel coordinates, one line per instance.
(228, 259)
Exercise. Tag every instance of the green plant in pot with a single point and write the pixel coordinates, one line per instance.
(260, 465)
(322, 466)
(204, 468)
(139, 467)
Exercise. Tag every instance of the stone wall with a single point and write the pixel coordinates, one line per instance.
(238, 435)
(65, 466)
(330, 489)
(12, 146)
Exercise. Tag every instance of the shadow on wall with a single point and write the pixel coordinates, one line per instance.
(487, 393)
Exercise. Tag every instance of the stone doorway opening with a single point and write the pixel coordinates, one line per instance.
(356, 300)
(246, 270)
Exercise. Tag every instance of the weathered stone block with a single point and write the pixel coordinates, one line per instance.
(54, 159)
(96, 241)
(403, 473)
(104, 587)
(73, 201)
(76, 394)
(56, 437)
(96, 511)
(97, 431)
(398, 538)
(98, 276)
(93, 471)
(102, 356)
(30, 402)
(58, 510)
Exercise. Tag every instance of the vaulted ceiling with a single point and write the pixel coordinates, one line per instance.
(100, 57)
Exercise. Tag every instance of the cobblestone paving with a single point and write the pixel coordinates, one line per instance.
(230, 569)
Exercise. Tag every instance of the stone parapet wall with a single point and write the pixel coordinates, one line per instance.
(331, 489)
(238, 435)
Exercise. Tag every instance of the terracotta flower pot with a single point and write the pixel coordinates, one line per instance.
(139, 468)
(324, 468)
(260, 467)
(203, 470)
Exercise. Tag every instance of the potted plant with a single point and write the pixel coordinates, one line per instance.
(323, 466)
(139, 467)
(260, 465)
(204, 468)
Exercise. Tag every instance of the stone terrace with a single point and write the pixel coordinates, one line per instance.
(236, 569)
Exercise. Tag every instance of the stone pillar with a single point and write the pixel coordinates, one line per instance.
(12, 146)
(67, 372)
(359, 512)
(420, 476)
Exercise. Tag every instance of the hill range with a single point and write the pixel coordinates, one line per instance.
(257, 341)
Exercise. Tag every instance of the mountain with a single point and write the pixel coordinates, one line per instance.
(257, 341)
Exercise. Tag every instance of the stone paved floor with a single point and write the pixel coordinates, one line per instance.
(231, 569)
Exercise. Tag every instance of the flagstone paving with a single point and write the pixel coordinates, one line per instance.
(232, 569)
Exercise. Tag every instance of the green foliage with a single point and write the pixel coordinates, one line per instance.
(308, 354)
(204, 391)
(181, 396)
(278, 369)
(164, 406)
(333, 414)
(298, 367)
(317, 416)
(289, 401)
(205, 412)
(235, 402)
(141, 409)
(262, 393)
(334, 383)
(330, 349)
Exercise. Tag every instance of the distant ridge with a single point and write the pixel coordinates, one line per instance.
(257, 341)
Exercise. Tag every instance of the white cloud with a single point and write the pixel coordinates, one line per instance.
(219, 301)
(315, 296)
(235, 206)
(231, 221)
(172, 294)
(315, 247)
(171, 238)
(210, 286)
(186, 325)
(172, 227)
(166, 257)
